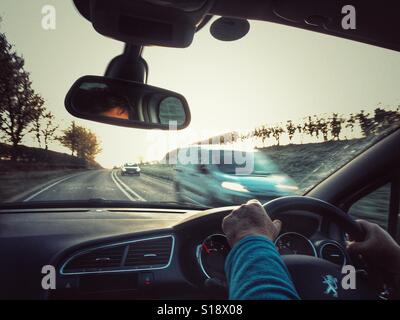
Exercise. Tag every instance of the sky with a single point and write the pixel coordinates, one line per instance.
(274, 74)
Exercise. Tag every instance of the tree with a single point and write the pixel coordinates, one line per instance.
(322, 126)
(351, 122)
(366, 123)
(291, 129)
(70, 138)
(81, 141)
(336, 126)
(276, 133)
(37, 125)
(310, 127)
(88, 146)
(19, 104)
(265, 134)
(384, 119)
(49, 129)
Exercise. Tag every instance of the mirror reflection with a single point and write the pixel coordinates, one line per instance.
(171, 110)
(127, 103)
(100, 99)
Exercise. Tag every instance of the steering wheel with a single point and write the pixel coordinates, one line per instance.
(316, 278)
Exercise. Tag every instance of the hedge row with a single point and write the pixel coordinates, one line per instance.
(31, 158)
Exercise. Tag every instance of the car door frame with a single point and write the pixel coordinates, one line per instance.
(374, 167)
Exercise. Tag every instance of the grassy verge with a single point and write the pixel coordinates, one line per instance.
(15, 183)
(162, 171)
(310, 163)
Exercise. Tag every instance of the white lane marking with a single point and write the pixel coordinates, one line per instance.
(50, 186)
(121, 188)
(128, 188)
(124, 188)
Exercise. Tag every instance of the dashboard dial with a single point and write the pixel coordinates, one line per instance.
(211, 255)
(294, 243)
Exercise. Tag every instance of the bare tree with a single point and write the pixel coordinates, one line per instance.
(384, 119)
(315, 125)
(336, 126)
(350, 122)
(48, 132)
(309, 127)
(37, 125)
(276, 133)
(366, 123)
(322, 126)
(265, 134)
(291, 129)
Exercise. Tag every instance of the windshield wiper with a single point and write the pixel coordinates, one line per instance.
(184, 204)
(98, 203)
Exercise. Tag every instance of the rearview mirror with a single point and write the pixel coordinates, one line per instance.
(127, 103)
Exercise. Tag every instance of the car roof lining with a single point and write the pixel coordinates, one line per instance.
(376, 23)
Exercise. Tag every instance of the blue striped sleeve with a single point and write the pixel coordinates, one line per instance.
(255, 271)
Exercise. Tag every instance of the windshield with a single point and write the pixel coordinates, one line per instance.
(306, 103)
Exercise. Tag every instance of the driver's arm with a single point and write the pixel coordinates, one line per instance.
(254, 268)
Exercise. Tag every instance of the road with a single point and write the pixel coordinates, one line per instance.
(105, 184)
(110, 185)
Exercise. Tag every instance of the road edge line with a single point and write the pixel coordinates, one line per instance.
(51, 186)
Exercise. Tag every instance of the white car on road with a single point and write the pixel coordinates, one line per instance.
(130, 169)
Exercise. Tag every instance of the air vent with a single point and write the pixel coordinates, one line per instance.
(135, 255)
(333, 253)
(96, 260)
(149, 254)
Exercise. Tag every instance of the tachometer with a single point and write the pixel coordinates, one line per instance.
(211, 255)
(294, 243)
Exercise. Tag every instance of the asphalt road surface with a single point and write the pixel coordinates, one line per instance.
(107, 185)
(110, 185)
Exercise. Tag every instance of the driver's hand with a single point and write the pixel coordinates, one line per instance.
(249, 219)
(378, 249)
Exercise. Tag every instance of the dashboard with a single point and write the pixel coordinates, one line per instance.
(135, 254)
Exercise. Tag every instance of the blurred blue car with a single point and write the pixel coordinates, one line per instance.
(218, 179)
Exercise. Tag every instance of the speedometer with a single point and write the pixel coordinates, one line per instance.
(211, 255)
(294, 243)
